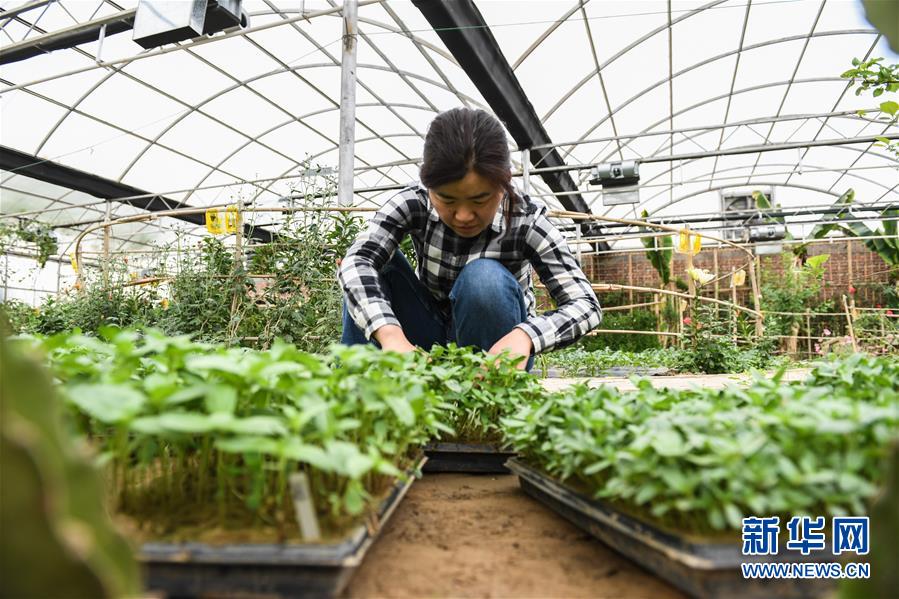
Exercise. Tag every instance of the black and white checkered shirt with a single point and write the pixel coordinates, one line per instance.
(529, 240)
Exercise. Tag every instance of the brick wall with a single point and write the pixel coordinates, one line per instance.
(867, 270)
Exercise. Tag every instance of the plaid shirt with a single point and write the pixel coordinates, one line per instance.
(530, 240)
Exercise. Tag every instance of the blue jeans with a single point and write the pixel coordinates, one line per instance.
(486, 302)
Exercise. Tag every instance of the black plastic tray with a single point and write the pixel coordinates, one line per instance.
(481, 458)
(264, 570)
(701, 569)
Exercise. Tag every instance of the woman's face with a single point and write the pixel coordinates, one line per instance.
(467, 206)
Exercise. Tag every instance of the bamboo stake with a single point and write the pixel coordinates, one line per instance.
(808, 330)
(657, 300)
(849, 259)
(238, 267)
(715, 268)
(616, 287)
(756, 298)
(630, 279)
(849, 323)
(733, 296)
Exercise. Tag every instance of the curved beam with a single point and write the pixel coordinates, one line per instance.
(702, 103)
(264, 188)
(627, 49)
(269, 74)
(558, 22)
(665, 80)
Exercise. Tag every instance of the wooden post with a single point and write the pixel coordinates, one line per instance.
(238, 267)
(630, 279)
(756, 296)
(849, 259)
(808, 331)
(658, 312)
(715, 269)
(733, 299)
(849, 323)
(849, 272)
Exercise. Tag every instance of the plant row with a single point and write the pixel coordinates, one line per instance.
(200, 437)
(700, 460)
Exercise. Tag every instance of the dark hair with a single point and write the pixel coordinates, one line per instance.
(462, 140)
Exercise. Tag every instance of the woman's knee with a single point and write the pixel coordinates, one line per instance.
(484, 281)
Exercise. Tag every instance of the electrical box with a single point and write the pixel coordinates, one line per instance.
(619, 182)
(160, 22)
(767, 232)
(738, 212)
(224, 14)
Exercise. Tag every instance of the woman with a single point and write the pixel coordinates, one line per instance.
(475, 240)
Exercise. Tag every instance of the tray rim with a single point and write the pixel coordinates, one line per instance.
(688, 553)
(347, 552)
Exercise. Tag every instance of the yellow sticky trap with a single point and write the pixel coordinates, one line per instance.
(683, 242)
(214, 223)
(739, 278)
(74, 262)
(697, 245)
(231, 219)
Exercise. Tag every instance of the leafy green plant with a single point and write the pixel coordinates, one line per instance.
(580, 361)
(478, 390)
(709, 348)
(638, 320)
(699, 460)
(202, 437)
(660, 252)
(880, 78)
(877, 332)
(32, 232)
(51, 512)
(884, 242)
(22, 317)
(100, 301)
(286, 289)
(871, 74)
(794, 290)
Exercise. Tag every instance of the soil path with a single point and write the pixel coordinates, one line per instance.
(461, 535)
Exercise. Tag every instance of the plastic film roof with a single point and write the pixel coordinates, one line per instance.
(239, 114)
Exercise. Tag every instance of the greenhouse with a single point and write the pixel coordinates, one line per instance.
(449, 298)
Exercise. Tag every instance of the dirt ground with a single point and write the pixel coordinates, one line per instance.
(459, 535)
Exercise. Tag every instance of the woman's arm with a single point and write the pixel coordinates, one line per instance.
(578, 309)
(358, 274)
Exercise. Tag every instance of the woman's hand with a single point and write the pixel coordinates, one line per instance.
(518, 343)
(392, 338)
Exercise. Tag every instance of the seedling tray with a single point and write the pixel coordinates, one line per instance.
(482, 458)
(612, 371)
(264, 570)
(701, 569)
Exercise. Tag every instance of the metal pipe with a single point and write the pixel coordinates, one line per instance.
(347, 104)
(14, 12)
(525, 175)
(733, 151)
(68, 36)
(176, 48)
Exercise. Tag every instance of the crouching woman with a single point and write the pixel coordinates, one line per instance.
(476, 241)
